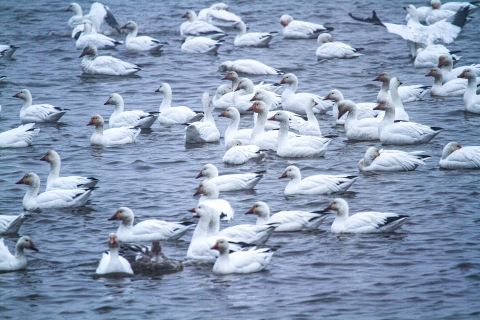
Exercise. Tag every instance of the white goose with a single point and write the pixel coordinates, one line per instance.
(19, 137)
(273, 101)
(296, 29)
(455, 156)
(51, 199)
(194, 27)
(121, 118)
(233, 76)
(452, 88)
(209, 193)
(406, 93)
(111, 261)
(299, 146)
(287, 220)
(98, 14)
(295, 102)
(253, 260)
(471, 100)
(133, 42)
(251, 39)
(363, 222)
(329, 49)
(9, 262)
(194, 44)
(100, 41)
(428, 57)
(237, 153)
(248, 66)
(265, 140)
(105, 65)
(390, 160)
(54, 181)
(357, 129)
(174, 115)
(445, 63)
(218, 15)
(223, 97)
(364, 109)
(317, 184)
(112, 136)
(402, 133)
(37, 112)
(232, 132)
(11, 224)
(205, 131)
(148, 230)
(229, 182)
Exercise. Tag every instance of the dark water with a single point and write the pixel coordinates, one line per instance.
(428, 269)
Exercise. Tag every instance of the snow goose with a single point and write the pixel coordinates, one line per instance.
(243, 94)
(51, 199)
(105, 65)
(251, 39)
(218, 15)
(454, 156)
(400, 113)
(149, 260)
(390, 160)
(10, 262)
(248, 66)
(309, 127)
(287, 220)
(232, 132)
(295, 102)
(233, 76)
(98, 40)
(363, 222)
(174, 115)
(402, 133)
(111, 261)
(200, 45)
(445, 63)
(205, 131)
(357, 129)
(364, 109)
(148, 230)
(37, 112)
(19, 137)
(54, 181)
(329, 49)
(406, 93)
(296, 29)
(452, 88)
(194, 27)
(140, 43)
(209, 193)
(470, 98)
(229, 182)
(6, 50)
(112, 136)
(223, 97)
(11, 224)
(265, 140)
(98, 14)
(121, 118)
(317, 184)
(237, 153)
(253, 260)
(428, 57)
(299, 146)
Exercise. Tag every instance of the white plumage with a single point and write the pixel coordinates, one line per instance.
(105, 65)
(194, 27)
(229, 182)
(205, 131)
(11, 224)
(248, 66)
(174, 115)
(200, 45)
(296, 29)
(406, 93)
(19, 137)
(251, 39)
(329, 49)
(9, 262)
(364, 109)
(357, 129)
(390, 160)
(471, 100)
(39, 112)
(112, 136)
(100, 41)
(135, 118)
(209, 193)
(240, 154)
(455, 156)
(133, 42)
(111, 261)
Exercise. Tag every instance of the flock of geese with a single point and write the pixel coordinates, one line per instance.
(240, 248)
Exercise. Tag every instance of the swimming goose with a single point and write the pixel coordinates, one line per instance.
(248, 66)
(452, 88)
(455, 156)
(233, 76)
(7, 50)
(9, 262)
(299, 146)
(428, 57)
(105, 65)
(253, 260)
(19, 137)
(470, 98)
(11, 224)
(121, 118)
(205, 131)
(329, 49)
(99, 14)
(223, 97)
(400, 113)
(194, 27)
(218, 15)
(296, 29)
(232, 132)
(100, 41)
(54, 181)
(251, 39)
(287, 220)
(51, 199)
(391, 160)
(445, 63)
(317, 184)
(112, 136)
(364, 109)
(200, 45)
(147, 230)
(357, 129)
(237, 153)
(209, 193)
(401, 133)
(363, 222)
(174, 115)
(37, 112)
(406, 93)
(133, 42)
(229, 182)
(111, 261)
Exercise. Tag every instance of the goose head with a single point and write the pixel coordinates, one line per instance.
(207, 188)
(23, 94)
(434, 72)
(412, 11)
(233, 143)
(96, 120)
(25, 242)
(245, 84)
(445, 60)
(289, 78)
(90, 51)
(450, 148)
(231, 113)
(395, 83)
(51, 156)
(130, 25)
(208, 171)
(113, 241)
(383, 77)
(468, 73)
(164, 88)
(203, 211)
(339, 205)
(260, 208)
(285, 20)
(30, 179)
(221, 245)
(370, 155)
(75, 8)
(114, 99)
(384, 104)
(262, 95)
(231, 75)
(124, 214)
(324, 38)
(258, 107)
(224, 66)
(334, 95)
(190, 15)
(291, 172)
(344, 106)
(280, 116)
(222, 90)
(435, 4)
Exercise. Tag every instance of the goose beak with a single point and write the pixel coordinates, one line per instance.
(250, 210)
(284, 175)
(114, 216)
(199, 175)
(327, 97)
(20, 181)
(253, 98)
(197, 192)
(272, 118)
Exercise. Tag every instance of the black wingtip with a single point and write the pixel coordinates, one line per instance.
(460, 18)
(424, 156)
(374, 19)
(437, 128)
